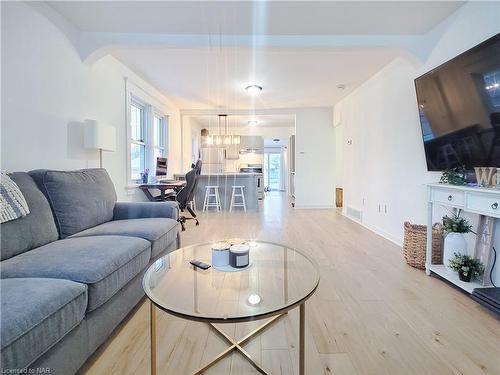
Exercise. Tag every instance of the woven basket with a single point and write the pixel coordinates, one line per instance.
(415, 244)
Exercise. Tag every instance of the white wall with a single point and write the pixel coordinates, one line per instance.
(339, 155)
(47, 91)
(190, 136)
(314, 158)
(385, 165)
(282, 132)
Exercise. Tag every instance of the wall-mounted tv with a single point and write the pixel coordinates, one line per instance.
(459, 107)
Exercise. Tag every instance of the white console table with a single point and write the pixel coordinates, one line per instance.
(482, 201)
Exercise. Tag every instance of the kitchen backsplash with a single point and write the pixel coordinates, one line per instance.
(234, 165)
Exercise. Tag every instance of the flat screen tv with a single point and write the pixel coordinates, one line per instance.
(459, 107)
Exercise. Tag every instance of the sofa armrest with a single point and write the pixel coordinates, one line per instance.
(143, 210)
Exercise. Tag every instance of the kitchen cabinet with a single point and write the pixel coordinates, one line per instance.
(252, 143)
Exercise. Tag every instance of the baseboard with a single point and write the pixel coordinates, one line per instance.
(376, 230)
(312, 207)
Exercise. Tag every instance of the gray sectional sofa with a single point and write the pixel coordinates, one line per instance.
(72, 269)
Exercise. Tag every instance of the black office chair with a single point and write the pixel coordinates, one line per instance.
(198, 165)
(185, 195)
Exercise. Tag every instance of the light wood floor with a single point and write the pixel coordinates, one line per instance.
(372, 314)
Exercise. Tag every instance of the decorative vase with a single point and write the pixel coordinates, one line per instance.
(462, 277)
(453, 243)
(220, 254)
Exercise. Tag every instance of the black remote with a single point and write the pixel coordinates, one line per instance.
(200, 264)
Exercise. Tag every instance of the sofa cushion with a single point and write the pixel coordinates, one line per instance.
(35, 229)
(161, 232)
(104, 263)
(79, 199)
(36, 314)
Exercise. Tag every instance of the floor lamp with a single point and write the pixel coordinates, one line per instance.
(99, 137)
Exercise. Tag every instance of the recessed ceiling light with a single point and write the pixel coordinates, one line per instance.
(252, 122)
(341, 86)
(253, 89)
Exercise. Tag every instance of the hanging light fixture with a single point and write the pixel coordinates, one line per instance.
(223, 129)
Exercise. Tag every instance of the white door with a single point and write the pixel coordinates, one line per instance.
(273, 171)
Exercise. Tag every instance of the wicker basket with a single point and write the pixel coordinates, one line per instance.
(415, 244)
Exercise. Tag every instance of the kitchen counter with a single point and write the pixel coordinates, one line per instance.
(225, 182)
(232, 174)
(181, 176)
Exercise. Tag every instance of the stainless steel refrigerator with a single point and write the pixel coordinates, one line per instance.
(214, 160)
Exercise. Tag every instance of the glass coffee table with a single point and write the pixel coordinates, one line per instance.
(277, 280)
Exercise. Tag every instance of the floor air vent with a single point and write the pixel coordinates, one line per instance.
(354, 213)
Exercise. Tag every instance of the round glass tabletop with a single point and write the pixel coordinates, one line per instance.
(278, 279)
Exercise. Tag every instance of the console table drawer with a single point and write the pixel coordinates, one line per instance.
(487, 204)
(448, 196)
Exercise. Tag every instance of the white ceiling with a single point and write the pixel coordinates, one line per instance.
(210, 78)
(261, 17)
(175, 45)
(273, 121)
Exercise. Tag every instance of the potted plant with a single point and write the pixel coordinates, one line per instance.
(454, 241)
(454, 176)
(467, 267)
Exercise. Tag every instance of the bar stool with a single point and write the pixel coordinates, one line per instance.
(238, 192)
(209, 194)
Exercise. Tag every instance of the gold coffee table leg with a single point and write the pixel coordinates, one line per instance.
(237, 345)
(152, 333)
(302, 329)
(215, 360)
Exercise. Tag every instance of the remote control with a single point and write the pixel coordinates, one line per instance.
(200, 264)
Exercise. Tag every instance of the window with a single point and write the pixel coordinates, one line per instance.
(138, 140)
(160, 136)
(147, 137)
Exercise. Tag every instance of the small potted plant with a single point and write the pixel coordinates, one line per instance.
(467, 267)
(454, 241)
(454, 176)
